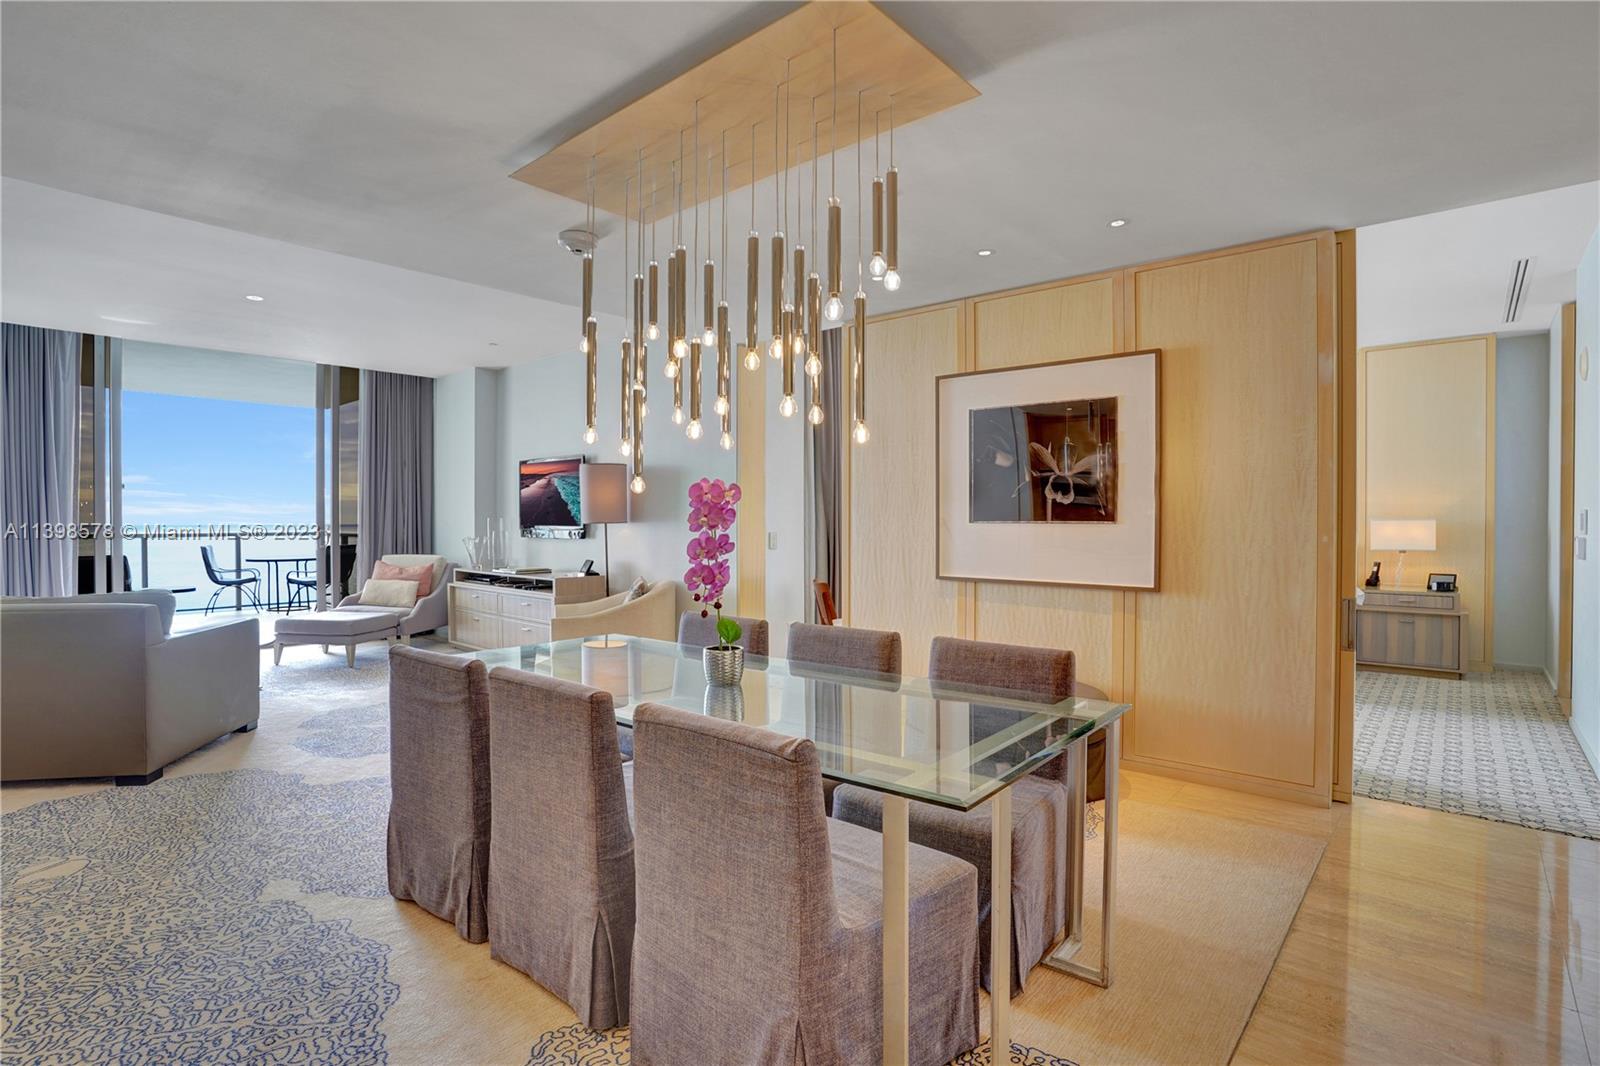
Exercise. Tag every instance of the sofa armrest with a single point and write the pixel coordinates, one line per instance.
(200, 685)
(653, 615)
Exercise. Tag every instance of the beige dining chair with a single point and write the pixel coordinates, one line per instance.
(867, 651)
(439, 786)
(1039, 802)
(561, 880)
(759, 936)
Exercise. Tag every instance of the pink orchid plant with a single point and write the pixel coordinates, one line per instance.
(712, 511)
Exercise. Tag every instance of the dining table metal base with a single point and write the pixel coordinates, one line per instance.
(897, 925)
(1063, 957)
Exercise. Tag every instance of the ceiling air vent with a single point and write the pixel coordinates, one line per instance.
(1517, 291)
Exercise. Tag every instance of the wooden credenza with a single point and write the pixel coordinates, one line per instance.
(484, 615)
(1412, 629)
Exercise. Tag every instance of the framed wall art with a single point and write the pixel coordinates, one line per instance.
(1050, 473)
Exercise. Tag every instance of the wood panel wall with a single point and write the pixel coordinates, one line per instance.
(1230, 666)
(1425, 423)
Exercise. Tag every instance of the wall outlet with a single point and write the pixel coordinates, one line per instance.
(772, 542)
(1580, 548)
(1583, 521)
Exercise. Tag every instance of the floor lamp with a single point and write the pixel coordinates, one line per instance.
(603, 498)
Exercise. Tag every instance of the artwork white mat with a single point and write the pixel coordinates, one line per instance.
(1112, 555)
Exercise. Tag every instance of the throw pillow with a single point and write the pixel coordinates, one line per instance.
(422, 575)
(640, 587)
(389, 592)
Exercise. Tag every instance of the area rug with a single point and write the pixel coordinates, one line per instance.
(1492, 746)
(236, 911)
(574, 1045)
(1204, 902)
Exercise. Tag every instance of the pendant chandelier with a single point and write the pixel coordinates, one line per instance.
(679, 301)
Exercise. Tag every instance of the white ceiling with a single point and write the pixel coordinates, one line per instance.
(369, 144)
(1447, 274)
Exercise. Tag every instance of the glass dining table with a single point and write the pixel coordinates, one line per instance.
(908, 738)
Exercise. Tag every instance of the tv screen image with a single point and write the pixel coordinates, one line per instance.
(548, 495)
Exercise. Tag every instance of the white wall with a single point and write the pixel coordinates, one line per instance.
(1586, 497)
(1553, 545)
(541, 414)
(787, 592)
(465, 463)
(1521, 488)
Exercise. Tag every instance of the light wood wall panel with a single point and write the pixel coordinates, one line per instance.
(1231, 665)
(892, 486)
(1069, 320)
(1227, 652)
(1426, 417)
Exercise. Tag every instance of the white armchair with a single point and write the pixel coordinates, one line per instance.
(653, 615)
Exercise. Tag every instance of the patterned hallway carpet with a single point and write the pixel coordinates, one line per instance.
(1494, 746)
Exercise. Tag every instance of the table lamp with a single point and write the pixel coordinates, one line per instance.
(603, 498)
(1403, 535)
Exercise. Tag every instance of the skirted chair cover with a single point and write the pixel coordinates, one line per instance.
(760, 919)
(439, 786)
(873, 651)
(697, 632)
(868, 650)
(561, 899)
(700, 632)
(1039, 803)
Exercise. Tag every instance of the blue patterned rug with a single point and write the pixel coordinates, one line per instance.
(574, 1045)
(135, 931)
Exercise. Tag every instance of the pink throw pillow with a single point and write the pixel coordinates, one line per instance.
(421, 574)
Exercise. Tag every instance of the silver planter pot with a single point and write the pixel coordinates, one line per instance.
(724, 664)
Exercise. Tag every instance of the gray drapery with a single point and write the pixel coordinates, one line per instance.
(394, 468)
(39, 379)
(823, 459)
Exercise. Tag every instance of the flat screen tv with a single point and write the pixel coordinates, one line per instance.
(548, 494)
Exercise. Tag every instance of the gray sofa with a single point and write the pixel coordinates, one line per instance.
(99, 686)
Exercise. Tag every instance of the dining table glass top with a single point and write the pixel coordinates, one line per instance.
(953, 745)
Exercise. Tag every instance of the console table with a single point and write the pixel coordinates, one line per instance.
(1411, 629)
(493, 610)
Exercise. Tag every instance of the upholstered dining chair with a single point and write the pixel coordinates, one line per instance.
(561, 882)
(439, 786)
(1039, 801)
(759, 936)
(868, 650)
(872, 651)
(697, 632)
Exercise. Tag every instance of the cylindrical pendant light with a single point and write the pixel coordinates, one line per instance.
(625, 392)
(775, 347)
(708, 337)
(891, 207)
(591, 368)
(787, 406)
(724, 359)
(752, 280)
(680, 257)
(637, 486)
(588, 301)
(653, 330)
(694, 429)
(876, 265)
(859, 371)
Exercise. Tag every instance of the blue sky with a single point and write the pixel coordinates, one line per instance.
(198, 461)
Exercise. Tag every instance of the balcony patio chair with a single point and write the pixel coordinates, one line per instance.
(244, 579)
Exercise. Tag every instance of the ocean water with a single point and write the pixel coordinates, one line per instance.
(177, 563)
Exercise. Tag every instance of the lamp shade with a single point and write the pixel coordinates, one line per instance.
(603, 492)
(1403, 535)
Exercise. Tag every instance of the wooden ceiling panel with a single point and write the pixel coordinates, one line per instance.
(736, 88)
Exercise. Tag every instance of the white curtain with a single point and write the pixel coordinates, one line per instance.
(39, 499)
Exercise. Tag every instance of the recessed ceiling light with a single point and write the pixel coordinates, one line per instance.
(985, 251)
(1117, 223)
(253, 298)
(494, 344)
(128, 321)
